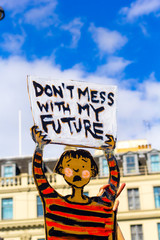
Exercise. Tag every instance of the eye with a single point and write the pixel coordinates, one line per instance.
(68, 165)
(82, 166)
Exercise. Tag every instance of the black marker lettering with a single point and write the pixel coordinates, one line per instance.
(68, 120)
(48, 90)
(38, 89)
(98, 131)
(97, 111)
(42, 106)
(110, 97)
(79, 127)
(51, 104)
(70, 88)
(80, 93)
(48, 120)
(85, 107)
(102, 96)
(94, 96)
(59, 104)
(87, 126)
(57, 91)
(66, 108)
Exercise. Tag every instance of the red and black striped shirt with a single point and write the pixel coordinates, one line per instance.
(67, 220)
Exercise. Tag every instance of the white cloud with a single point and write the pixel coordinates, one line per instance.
(15, 6)
(139, 8)
(150, 91)
(12, 43)
(113, 67)
(144, 29)
(107, 41)
(42, 15)
(38, 13)
(136, 108)
(74, 27)
(133, 106)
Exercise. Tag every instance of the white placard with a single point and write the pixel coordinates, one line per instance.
(73, 113)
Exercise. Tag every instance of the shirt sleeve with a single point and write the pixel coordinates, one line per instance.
(42, 184)
(114, 177)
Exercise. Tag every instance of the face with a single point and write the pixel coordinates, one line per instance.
(76, 171)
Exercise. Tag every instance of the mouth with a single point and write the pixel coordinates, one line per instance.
(77, 178)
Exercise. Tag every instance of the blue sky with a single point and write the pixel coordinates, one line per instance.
(109, 42)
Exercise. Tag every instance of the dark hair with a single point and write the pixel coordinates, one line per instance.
(74, 154)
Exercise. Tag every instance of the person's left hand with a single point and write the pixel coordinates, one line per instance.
(111, 143)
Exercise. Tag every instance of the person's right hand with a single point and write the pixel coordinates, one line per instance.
(115, 207)
(116, 203)
(39, 137)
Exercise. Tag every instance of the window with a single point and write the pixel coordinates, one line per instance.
(130, 164)
(30, 168)
(39, 207)
(157, 196)
(104, 170)
(7, 208)
(86, 193)
(8, 170)
(158, 231)
(133, 199)
(155, 162)
(136, 232)
(30, 177)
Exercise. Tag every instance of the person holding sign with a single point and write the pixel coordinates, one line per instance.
(76, 216)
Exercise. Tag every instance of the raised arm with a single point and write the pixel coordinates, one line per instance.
(114, 174)
(40, 179)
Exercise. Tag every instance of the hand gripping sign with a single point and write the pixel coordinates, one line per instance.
(74, 113)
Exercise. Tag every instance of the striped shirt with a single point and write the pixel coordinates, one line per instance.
(69, 220)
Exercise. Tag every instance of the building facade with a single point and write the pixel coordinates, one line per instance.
(21, 213)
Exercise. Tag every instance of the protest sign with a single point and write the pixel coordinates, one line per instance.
(73, 113)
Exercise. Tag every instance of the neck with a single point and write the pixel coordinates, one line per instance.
(77, 195)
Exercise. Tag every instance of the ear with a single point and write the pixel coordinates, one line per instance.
(59, 169)
(93, 171)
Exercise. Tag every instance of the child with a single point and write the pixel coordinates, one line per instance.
(76, 216)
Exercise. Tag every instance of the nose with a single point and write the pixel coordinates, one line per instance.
(76, 170)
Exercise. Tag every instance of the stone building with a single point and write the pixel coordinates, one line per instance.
(21, 210)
